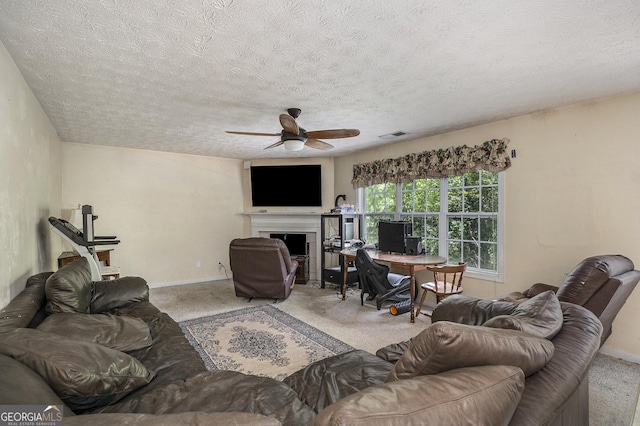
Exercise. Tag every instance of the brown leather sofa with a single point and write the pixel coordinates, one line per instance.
(262, 267)
(105, 355)
(473, 365)
(601, 284)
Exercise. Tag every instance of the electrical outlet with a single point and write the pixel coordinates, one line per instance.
(219, 262)
(198, 264)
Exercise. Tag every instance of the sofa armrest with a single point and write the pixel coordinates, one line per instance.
(293, 266)
(468, 310)
(110, 294)
(392, 353)
(538, 288)
(485, 395)
(27, 305)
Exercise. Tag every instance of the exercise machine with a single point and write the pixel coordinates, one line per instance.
(84, 243)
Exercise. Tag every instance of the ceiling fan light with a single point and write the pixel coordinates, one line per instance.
(293, 145)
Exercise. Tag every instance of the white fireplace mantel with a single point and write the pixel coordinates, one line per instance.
(263, 224)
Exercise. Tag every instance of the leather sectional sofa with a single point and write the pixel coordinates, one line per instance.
(480, 362)
(102, 347)
(107, 355)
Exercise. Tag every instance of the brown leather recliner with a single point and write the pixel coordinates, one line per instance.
(262, 267)
(601, 284)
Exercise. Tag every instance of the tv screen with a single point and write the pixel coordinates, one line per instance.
(391, 235)
(286, 186)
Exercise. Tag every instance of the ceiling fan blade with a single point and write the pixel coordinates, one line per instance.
(333, 134)
(275, 144)
(289, 124)
(253, 134)
(317, 144)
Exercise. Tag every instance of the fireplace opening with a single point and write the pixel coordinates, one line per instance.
(296, 243)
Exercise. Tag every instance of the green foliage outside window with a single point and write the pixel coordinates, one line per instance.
(380, 205)
(472, 231)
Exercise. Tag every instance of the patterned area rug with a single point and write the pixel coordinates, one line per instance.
(260, 340)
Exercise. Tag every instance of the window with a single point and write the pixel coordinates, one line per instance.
(381, 205)
(458, 217)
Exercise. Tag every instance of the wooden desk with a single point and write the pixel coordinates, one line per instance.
(411, 264)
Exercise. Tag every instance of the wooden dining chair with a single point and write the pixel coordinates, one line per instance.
(447, 280)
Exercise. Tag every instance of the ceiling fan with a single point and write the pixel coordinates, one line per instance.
(294, 137)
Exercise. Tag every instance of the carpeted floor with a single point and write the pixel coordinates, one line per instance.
(613, 383)
(362, 327)
(613, 391)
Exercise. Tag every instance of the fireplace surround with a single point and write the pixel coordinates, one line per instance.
(265, 224)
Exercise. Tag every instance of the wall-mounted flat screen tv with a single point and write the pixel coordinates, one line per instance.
(286, 186)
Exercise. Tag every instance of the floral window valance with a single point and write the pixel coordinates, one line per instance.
(491, 156)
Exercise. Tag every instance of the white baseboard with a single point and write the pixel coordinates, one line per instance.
(616, 353)
(182, 282)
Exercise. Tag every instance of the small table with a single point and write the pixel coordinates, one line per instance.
(108, 272)
(302, 273)
(405, 262)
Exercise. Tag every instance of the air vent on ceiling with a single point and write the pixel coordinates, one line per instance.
(393, 135)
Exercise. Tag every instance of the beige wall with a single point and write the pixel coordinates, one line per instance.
(170, 211)
(573, 191)
(29, 182)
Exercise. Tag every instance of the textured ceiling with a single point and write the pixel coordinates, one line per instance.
(174, 75)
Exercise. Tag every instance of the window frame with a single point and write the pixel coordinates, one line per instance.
(443, 215)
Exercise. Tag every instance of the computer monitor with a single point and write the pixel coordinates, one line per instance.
(391, 235)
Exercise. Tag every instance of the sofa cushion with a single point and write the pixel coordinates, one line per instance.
(111, 294)
(486, 395)
(116, 332)
(84, 375)
(445, 345)
(328, 380)
(539, 316)
(220, 391)
(69, 289)
(469, 310)
(20, 385)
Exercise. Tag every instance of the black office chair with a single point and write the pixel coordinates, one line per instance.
(378, 282)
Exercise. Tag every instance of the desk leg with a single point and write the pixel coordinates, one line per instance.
(413, 290)
(345, 268)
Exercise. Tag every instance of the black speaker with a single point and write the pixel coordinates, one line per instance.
(413, 246)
